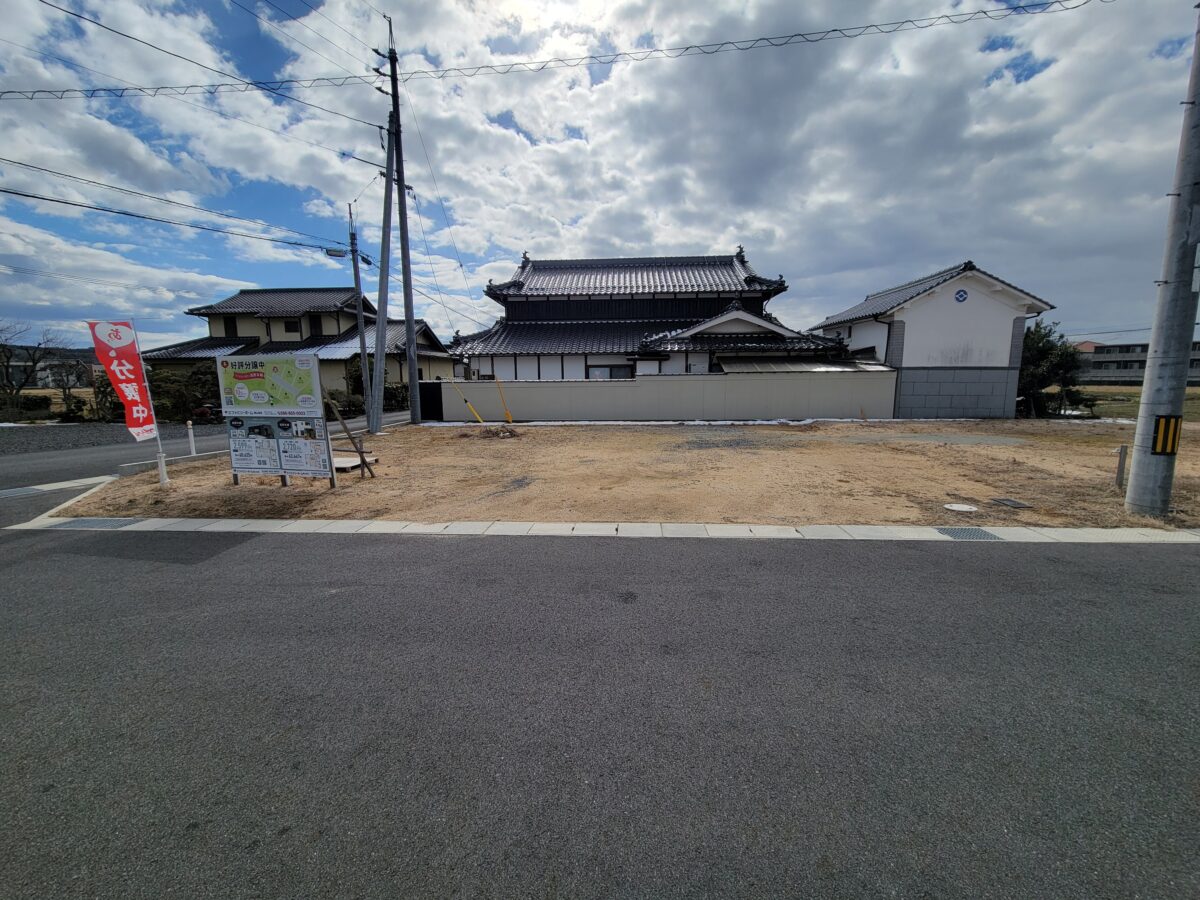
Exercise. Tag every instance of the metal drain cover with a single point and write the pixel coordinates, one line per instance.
(968, 534)
(1009, 501)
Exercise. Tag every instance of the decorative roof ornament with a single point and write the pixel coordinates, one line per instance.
(524, 256)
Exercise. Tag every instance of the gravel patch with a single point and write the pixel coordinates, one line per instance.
(38, 438)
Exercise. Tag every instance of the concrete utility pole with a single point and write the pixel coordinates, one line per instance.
(385, 255)
(1160, 416)
(410, 325)
(362, 329)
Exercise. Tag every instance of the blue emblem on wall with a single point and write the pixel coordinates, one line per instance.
(960, 296)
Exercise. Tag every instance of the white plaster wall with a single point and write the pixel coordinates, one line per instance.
(573, 367)
(552, 368)
(865, 334)
(647, 367)
(783, 395)
(527, 368)
(940, 331)
(505, 368)
(675, 364)
(735, 326)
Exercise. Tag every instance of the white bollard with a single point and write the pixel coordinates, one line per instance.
(162, 469)
(191, 438)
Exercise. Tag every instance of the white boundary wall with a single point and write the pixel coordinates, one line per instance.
(740, 396)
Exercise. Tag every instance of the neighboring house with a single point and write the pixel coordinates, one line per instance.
(1124, 363)
(308, 320)
(604, 319)
(955, 337)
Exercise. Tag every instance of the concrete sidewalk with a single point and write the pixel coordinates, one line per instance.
(1012, 534)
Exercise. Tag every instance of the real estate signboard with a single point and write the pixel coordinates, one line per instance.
(276, 420)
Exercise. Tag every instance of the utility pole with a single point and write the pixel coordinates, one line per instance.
(1160, 416)
(410, 325)
(385, 255)
(362, 330)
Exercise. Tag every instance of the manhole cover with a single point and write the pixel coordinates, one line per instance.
(968, 534)
(961, 507)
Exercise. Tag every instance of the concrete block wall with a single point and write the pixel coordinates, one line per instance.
(749, 395)
(956, 393)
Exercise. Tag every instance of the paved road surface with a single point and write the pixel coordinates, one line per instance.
(22, 469)
(223, 715)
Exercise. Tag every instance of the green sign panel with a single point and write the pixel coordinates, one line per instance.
(284, 385)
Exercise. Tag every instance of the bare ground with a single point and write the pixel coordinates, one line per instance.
(844, 473)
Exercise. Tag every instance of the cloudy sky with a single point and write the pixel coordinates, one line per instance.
(1039, 146)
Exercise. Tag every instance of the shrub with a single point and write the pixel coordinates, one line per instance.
(395, 396)
(33, 402)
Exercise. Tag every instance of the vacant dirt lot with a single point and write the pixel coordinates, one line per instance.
(844, 473)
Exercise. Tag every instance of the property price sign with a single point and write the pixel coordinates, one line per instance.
(117, 349)
(272, 405)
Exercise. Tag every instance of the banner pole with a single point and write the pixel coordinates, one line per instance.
(162, 457)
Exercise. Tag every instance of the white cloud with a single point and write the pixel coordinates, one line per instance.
(846, 166)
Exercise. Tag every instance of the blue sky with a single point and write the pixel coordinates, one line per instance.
(1041, 147)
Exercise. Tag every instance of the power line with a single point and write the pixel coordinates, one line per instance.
(343, 154)
(85, 279)
(179, 203)
(135, 215)
(349, 34)
(290, 37)
(445, 215)
(810, 37)
(1118, 331)
(304, 25)
(429, 258)
(258, 85)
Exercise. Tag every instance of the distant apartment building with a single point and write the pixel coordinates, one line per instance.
(1124, 363)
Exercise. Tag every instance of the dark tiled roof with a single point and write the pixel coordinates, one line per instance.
(885, 301)
(762, 342)
(345, 345)
(635, 275)
(526, 338)
(201, 348)
(269, 302)
(529, 338)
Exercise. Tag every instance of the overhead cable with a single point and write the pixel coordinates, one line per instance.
(603, 59)
(136, 215)
(344, 154)
(155, 197)
(7, 269)
(257, 85)
(293, 38)
(809, 37)
(349, 34)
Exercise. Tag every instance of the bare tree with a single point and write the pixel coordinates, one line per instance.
(21, 356)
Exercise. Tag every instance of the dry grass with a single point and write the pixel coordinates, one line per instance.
(860, 473)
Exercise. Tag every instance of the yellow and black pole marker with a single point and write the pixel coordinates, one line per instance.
(468, 402)
(503, 402)
(1166, 435)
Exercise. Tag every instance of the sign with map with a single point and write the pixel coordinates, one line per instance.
(283, 385)
(276, 419)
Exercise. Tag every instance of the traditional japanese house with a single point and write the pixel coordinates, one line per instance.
(588, 319)
(303, 320)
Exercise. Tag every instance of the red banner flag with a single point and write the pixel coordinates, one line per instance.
(117, 349)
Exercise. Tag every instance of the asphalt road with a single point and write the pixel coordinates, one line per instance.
(48, 467)
(222, 715)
